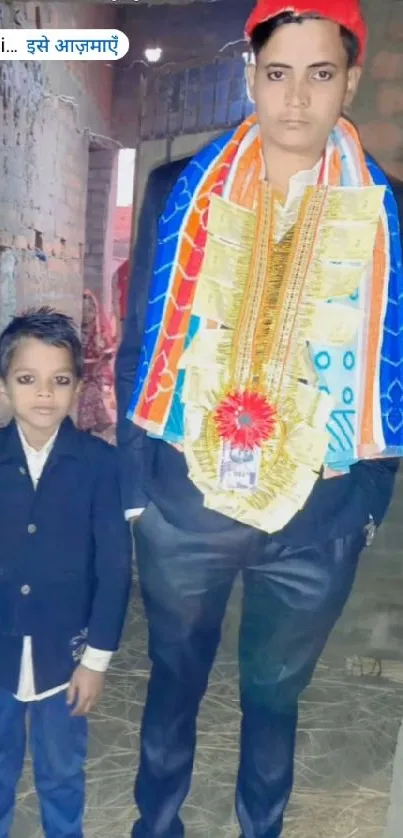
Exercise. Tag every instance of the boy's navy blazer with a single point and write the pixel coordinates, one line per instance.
(65, 555)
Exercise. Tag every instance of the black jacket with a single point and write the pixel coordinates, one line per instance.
(151, 469)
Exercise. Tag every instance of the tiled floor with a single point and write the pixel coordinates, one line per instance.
(348, 725)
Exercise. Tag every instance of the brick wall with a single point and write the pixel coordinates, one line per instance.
(379, 107)
(49, 112)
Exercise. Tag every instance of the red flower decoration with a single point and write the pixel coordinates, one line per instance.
(245, 419)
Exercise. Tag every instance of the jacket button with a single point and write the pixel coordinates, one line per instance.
(31, 529)
(25, 590)
(23, 470)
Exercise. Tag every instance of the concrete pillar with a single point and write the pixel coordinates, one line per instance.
(101, 203)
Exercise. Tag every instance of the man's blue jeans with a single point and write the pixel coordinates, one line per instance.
(58, 744)
(292, 597)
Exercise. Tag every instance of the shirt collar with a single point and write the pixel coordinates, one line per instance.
(32, 452)
(66, 443)
(306, 177)
(303, 178)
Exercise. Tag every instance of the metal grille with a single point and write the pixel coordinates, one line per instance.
(189, 100)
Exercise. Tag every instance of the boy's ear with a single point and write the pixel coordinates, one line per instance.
(4, 402)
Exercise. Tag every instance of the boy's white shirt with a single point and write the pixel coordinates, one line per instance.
(95, 659)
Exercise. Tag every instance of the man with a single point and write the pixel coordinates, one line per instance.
(266, 409)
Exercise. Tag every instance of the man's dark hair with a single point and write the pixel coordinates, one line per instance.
(264, 31)
(44, 324)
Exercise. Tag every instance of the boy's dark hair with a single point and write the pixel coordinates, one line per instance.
(264, 31)
(44, 324)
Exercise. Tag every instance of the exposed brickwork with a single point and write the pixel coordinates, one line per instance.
(379, 107)
(48, 113)
(390, 100)
(387, 66)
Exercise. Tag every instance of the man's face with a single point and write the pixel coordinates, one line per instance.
(300, 85)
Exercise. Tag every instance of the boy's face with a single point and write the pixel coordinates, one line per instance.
(41, 387)
(300, 85)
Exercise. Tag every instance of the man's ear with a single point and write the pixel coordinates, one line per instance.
(353, 80)
(250, 80)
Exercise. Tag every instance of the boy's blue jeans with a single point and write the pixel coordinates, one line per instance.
(58, 744)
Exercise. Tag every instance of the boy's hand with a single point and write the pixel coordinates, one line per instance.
(85, 690)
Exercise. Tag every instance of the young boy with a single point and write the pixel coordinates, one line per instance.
(65, 570)
(266, 402)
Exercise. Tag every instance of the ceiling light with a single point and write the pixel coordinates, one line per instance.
(153, 54)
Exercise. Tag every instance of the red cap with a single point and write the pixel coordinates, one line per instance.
(346, 13)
